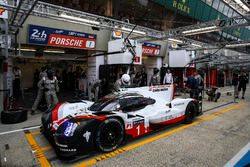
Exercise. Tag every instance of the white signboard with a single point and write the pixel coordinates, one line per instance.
(179, 58)
(3, 12)
(126, 57)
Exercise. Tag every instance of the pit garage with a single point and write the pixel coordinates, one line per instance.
(166, 84)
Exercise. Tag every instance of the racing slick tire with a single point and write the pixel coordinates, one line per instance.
(109, 135)
(190, 113)
(13, 116)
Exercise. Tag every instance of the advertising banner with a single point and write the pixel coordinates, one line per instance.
(150, 49)
(60, 38)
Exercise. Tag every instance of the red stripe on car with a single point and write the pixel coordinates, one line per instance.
(55, 112)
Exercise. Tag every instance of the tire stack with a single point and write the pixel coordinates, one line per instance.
(13, 116)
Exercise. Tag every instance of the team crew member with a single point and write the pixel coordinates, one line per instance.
(192, 83)
(122, 82)
(235, 83)
(155, 78)
(16, 82)
(242, 84)
(141, 77)
(40, 92)
(50, 87)
(168, 78)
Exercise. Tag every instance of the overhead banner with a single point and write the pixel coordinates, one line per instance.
(61, 38)
(150, 49)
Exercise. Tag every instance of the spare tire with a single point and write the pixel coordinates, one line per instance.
(13, 116)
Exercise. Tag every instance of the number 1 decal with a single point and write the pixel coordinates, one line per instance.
(138, 130)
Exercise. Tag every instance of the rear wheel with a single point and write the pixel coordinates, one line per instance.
(110, 135)
(190, 113)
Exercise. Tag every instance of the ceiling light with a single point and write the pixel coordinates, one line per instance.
(134, 31)
(237, 45)
(200, 30)
(175, 40)
(79, 19)
(196, 45)
(27, 49)
(54, 51)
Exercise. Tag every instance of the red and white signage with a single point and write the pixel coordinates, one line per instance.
(150, 49)
(71, 41)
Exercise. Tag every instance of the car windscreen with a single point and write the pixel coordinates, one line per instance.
(104, 105)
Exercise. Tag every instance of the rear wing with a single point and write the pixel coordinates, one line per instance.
(165, 92)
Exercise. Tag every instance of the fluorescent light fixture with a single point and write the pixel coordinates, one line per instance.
(196, 45)
(175, 40)
(237, 45)
(27, 49)
(79, 19)
(134, 31)
(54, 51)
(238, 2)
(200, 30)
(242, 5)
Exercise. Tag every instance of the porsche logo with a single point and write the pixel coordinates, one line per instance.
(1, 10)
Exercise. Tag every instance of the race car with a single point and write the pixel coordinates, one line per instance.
(80, 128)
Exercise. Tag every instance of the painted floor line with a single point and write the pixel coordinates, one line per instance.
(19, 130)
(36, 133)
(238, 156)
(46, 148)
(133, 146)
(37, 151)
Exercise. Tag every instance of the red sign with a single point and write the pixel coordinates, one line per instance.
(137, 59)
(71, 41)
(150, 51)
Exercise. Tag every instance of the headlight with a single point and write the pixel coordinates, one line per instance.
(67, 129)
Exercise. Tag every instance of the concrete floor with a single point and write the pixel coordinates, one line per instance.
(211, 141)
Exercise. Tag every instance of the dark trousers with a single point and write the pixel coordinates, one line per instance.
(16, 88)
(194, 93)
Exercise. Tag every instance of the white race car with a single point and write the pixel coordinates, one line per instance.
(79, 128)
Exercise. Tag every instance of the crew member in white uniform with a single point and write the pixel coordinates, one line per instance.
(168, 78)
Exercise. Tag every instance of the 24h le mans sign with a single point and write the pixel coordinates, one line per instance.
(62, 38)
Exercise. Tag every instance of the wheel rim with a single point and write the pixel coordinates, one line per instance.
(110, 136)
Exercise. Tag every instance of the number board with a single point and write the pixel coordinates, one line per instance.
(61, 38)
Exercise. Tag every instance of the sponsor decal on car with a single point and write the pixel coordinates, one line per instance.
(129, 125)
(179, 104)
(86, 135)
(67, 149)
(158, 88)
(61, 145)
(138, 122)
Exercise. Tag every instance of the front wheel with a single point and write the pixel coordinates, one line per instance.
(110, 135)
(190, 113)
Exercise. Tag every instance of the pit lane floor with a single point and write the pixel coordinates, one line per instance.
(212, 140)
